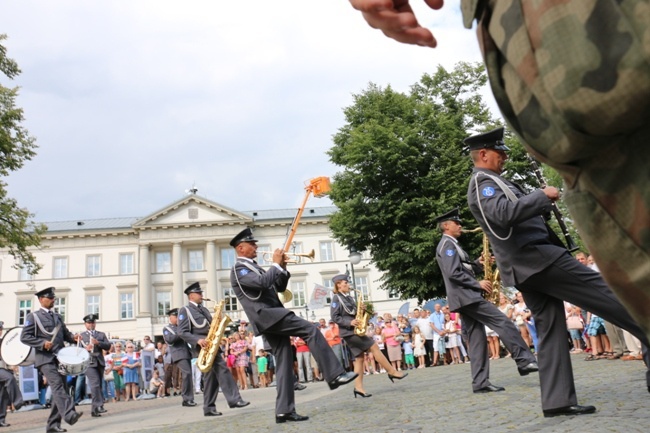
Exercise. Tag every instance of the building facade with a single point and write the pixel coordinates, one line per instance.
(130, 271)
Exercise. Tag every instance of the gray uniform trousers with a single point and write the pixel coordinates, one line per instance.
(94, 376)
(475, 317)
(544, 292)
(62, 403)
(9, 392)
(219, 375)
(187, 388)
(278, 338)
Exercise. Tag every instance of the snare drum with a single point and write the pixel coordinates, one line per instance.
(73, 360)
(14, 351)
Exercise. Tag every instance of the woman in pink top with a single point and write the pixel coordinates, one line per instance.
(393, 347)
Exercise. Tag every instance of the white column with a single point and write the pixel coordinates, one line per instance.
(178, 298)
(211, 268)
(144, 282)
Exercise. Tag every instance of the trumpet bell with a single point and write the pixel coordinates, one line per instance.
(285, 296)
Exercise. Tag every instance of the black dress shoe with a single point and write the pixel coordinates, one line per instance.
(240, 403)
(299, 386)
(341, 379)
(392, 378)
(18, 405)
(569, 410)
(75, 418)
(95, 414)
(290, 417)
(189, 403)
(4, 424)
(489, 388)
(530, 368)
(56, 430)
(213, 413)
(101, 410)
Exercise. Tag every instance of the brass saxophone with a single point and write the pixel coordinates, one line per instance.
(217, 329)
(362, 321)
(490, 273)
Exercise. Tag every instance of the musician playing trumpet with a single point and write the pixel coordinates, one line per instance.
(45, 331)
(464, 297)
(344, 312)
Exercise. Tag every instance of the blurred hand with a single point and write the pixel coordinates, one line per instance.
(486, 286)
(47, 345)
(552, 193)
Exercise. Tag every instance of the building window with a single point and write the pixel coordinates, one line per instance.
(262, 257)
(296, 248)
(60, 267)
(329, 285)
(227, 258)
(164, 262)
(362, 288)
(24, 308)
(126, 305)
(195, 260)
(164, 302)
(231, 300)
(24, 274)
(326, 251)
(393, 294)
(59, 307)
(93, 266)
(299, 293)
(126, 263)
(92, 304)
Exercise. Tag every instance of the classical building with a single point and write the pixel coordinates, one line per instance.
(132, 270)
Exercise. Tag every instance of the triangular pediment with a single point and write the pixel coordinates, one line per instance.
(194, 210)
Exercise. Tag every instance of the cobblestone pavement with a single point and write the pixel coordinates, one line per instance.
(428, 400)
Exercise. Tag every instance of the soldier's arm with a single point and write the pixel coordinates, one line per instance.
(336, 313)
(28, 336)
(185, 327)
(451, 266)
(254, 282)
(169, 337)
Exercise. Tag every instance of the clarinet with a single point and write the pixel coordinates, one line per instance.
(571, 245)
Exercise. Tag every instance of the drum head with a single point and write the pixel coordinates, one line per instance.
(14, 351)
(73, 355)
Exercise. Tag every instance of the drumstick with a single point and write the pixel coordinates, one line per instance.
(55, 332)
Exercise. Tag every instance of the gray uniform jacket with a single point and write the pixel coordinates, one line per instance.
(97, 356)
(461, 284)
(257, 291)
(525, 247)
(340, 316)
(177, 347)
(193, 325)
(33, 336)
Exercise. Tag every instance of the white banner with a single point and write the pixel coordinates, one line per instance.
(318, 297)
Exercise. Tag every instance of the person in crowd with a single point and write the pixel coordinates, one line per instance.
(575, 326)
(303, 357)
(333, 337)
(343, 311)
(494, 345)
(95, 342)
(109, 380)
(390, 335)
(194, 322)
(131, 370)
(418, 346)
(240, 350)
(157, 385)
(118, 358)
(451, 342)
(180, 357)
(46, 332)
(10, 394)
(575, 135)
(256, 289)
(437, 325)
(262, 363)
(520, 315)
(407, 347)
(531, 257)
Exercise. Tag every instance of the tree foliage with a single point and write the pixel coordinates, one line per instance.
(17, 232)
(403, 163)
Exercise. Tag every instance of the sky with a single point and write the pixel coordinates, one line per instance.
(134, 102)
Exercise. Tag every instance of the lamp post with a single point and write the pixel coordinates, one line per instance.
(355, 259)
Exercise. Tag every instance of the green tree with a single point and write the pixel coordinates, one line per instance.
(17, 232)
(403, 163)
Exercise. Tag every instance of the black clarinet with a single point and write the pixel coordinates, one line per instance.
(571, 245)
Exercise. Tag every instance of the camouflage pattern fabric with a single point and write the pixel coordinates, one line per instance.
(572, 78)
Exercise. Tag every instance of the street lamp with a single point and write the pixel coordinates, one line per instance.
(355, 259)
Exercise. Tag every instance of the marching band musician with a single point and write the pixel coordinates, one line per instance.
(95, 342)
(194, 322)
(464, 297)
(532, 258)
(181, 356)
(45, 331)
(256, 290)
(343, 311)
(9, 389)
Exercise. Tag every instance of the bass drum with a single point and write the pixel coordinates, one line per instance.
(15, 352)
(73, 360)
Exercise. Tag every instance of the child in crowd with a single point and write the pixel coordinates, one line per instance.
(418, 346)
(451, 341)
(157, 385)
(262, 364)
(407, 346)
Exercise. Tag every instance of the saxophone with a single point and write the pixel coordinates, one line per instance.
(491, 274)
(362, 321)
(217, 328)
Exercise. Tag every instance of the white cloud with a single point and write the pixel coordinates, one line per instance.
(133, 101)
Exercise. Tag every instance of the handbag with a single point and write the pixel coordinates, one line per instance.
(574, 322)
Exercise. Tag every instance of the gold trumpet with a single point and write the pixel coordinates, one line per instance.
(293, 258)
